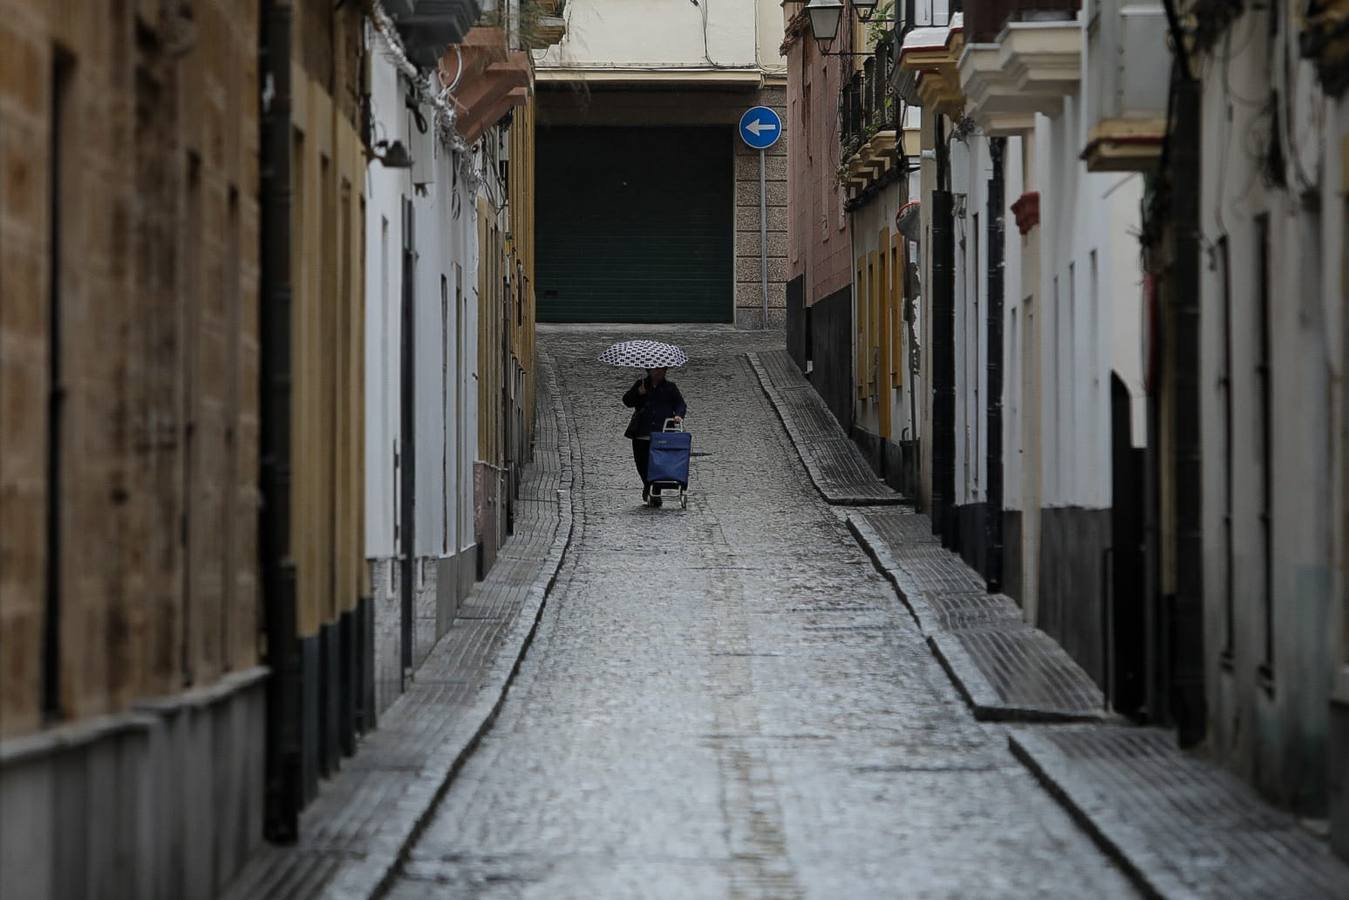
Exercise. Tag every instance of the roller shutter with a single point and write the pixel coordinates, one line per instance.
(635, 225)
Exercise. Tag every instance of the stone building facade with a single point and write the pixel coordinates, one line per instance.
(819, 289)
(319, 617)
(131, 694)
(667, 87)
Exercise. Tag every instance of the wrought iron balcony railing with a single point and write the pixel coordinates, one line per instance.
(910, 15)
(866, 105)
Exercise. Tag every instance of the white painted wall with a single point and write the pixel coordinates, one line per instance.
(927, 183)
(969, 183)
(669, 34)
(446, 243)
(446, 240)
(385, 190)
(1091, 285)
(1015, 339)
(1274, 736)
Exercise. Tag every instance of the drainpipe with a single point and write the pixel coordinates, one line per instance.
(993, 502)
(283, 750)
(1188, 697)
(407, 446)
(943, 346)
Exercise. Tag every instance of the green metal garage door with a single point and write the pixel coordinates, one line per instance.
(635, 225)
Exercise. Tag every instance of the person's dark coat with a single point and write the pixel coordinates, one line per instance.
(649, 411)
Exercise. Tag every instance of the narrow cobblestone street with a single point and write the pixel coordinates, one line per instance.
(729, 701)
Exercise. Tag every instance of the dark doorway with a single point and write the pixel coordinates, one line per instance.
(1126, 645)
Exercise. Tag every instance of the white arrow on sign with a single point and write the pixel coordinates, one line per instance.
(758, 126)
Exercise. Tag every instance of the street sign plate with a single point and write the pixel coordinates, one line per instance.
(760, 127)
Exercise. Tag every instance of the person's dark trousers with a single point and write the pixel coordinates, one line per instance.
(641, 455)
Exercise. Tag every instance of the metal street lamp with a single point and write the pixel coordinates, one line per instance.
(865, 9)
(824, 18)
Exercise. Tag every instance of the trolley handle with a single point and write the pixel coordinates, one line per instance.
(678, 426)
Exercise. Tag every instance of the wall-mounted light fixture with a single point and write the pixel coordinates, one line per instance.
(865, 9)
(825, 16)
(393, 156)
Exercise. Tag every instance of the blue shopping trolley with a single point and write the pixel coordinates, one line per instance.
(668, 466)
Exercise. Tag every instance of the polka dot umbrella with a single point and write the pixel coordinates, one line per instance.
(644, 355)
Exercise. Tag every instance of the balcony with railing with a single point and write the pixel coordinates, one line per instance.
(491, 76)
(927, 66)
(427, 27)
(542, 23)
(1125, 108)
(985, 19)
(1021, 57)
(869, 118)
(867, 104)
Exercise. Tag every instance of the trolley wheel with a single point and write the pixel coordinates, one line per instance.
(683, 500)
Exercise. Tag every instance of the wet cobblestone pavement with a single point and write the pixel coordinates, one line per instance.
(729, 701)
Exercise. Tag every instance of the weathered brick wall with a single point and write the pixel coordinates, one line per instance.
(147, 114)
(819, 243)
(24, 60)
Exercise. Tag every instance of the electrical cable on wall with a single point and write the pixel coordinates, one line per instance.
(458, 75)
(1291, 62)
(707, 50)
(444, 114)
(1226, 139)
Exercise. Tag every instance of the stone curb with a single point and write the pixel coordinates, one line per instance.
(983, 698)
(1178, 825)
(886, 565)
(372, 875)
(784, 414)
(974, 687)
(1143, 870)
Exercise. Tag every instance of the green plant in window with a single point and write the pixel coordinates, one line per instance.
(530, 31)
(882, 22)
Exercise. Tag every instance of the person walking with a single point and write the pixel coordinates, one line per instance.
(653, 400)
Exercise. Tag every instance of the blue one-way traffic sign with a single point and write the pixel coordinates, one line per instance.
(760, 127)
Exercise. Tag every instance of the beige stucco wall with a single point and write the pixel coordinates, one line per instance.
(669, 34)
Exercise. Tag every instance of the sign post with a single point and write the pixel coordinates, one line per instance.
(760, 128)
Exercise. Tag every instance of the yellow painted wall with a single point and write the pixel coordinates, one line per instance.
(884, 324)
(506, 311)
(328, 273)
(878, 308)
(522, 194)
(155, 210)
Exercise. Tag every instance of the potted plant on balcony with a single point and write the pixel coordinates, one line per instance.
(882, 24)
